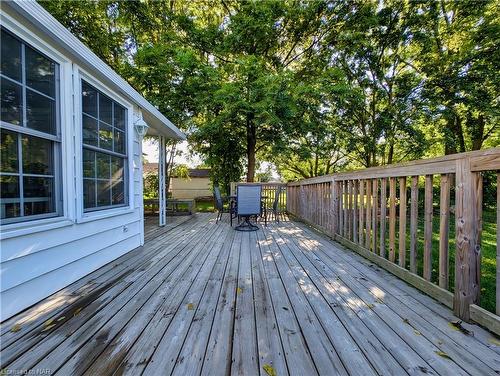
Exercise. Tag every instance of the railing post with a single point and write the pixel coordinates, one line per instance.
(468, 247)
(162, 183)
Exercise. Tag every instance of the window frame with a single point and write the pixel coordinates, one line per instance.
(84, 215)
(21, 130)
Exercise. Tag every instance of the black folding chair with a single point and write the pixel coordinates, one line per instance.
(219, 205)
(275, 206)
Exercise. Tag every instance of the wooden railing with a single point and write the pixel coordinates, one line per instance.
(376, 212)
(268, 191)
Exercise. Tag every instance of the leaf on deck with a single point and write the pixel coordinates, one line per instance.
(417, 333)
(457, 325)
(48, 323)
(15, 328)
(48, 327)
(442, 354)
(190, 306)
(239, 290)
(494, 341)
(77, 311)
(269, 369)
(61, 318)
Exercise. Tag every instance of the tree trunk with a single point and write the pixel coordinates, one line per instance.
(477, 132)
(251, 143)
(390, 156)
(450, 145)
(460, 133)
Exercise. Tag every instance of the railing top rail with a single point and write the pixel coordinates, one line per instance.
(267, 185)
(481, 160)
(259, 183)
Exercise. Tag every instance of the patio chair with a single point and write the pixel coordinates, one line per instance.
(248, 204)
(219, 205)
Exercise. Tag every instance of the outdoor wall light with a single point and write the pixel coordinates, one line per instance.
(141, 127)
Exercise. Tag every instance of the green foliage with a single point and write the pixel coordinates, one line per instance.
(314, 86)
(150, 185)
(180, 171)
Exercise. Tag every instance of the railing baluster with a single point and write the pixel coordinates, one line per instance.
(336, 210)
(361, 210)
(498, 247)
(427, 274)
(341, 208)
(355, 212)
(392, 219)
(444, 224)
(402, 222)
(374, 215)
(349, 209)
(414, 224)
(383, 216)
(368, 213)
(345, 200)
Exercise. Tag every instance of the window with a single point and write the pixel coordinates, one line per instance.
(104, 124)
(30, 141)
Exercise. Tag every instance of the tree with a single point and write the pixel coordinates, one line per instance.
(253, 47)
(457, 52)
(313, 87)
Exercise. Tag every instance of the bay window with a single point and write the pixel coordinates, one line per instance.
(104, 124)
(29, 132)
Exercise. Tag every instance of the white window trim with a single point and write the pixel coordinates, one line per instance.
(65, 170)
(82, 216)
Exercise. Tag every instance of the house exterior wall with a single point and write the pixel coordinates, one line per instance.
(40, 257)
(190, 188)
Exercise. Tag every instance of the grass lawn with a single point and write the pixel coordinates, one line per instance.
(205, 206)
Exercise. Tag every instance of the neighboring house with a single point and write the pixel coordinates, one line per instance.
(197, 185)
(150, 168)
(71, 179)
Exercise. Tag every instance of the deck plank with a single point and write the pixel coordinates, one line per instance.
(166, 298)
(297, 354)
(379, 357)
(167, 350)
(85, 289)
(190, 359)
(38, 342)
(439, 333)
(323, 353)
(270, 348)
(85, 343)
(200, 298)
(245, 359)
(218, 353)
(351, 355)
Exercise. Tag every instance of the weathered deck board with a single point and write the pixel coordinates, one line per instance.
(200, 298)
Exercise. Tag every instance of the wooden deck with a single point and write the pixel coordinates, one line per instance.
(200, 298)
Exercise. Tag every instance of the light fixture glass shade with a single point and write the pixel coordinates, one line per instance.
(141, 127)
